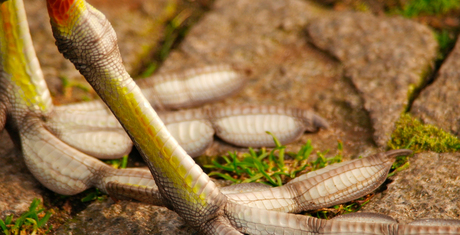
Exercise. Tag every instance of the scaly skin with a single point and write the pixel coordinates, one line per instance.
(46, 155)
(181, 182)
(187, 189)
(191, 88)
(25, 105)
(35, 94)
(217, 215)
(91, 129)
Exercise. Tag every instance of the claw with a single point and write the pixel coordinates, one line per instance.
(398, 152)
(320, 122)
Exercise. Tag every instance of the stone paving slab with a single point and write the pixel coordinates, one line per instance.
(125, 218)
(269, 38)
(439, 103)
(429, 188)
(286, 69)
(385, 58)
(139, 31)
(17, 186)
(139, 26)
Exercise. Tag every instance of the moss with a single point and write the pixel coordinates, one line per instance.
(410, 133)
(415, 89)
(446, 41)
(428, 7)
(362, 6)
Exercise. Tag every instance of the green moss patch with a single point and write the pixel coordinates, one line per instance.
(412, 134)
(428, 7)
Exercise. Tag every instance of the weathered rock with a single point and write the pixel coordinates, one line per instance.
(17, 185)
(429, 188)
(267, 37)
(139, 26)
(384, 57)
(125, 218)
(438, 104)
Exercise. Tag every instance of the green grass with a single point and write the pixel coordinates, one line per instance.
(32, 221)
(69, 84)
(277, 166)
(446, 41)
(174, 31)
(361, 6)
(272, 168)
(346, 208)
(428, 7)
(121, 163)
(93, 195)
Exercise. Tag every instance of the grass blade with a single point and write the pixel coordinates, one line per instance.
(224, 176)
(4, 228)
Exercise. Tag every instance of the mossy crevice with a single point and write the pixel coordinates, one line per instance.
(411, 133)
(428, 7)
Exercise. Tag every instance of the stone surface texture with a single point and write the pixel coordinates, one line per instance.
(438, 104)
(17, 186)
(139, 26)
(384, 57)
(268, 39)
(125, 218)
(354, 69)
(429, 188)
